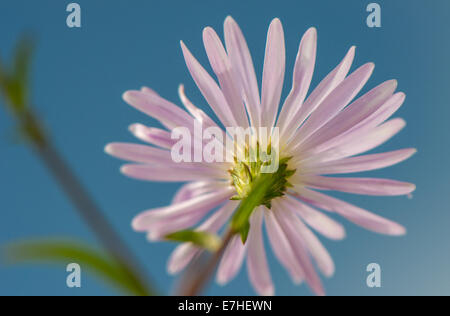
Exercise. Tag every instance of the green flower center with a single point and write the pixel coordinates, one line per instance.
(262, 169)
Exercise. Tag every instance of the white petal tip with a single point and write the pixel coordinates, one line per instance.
(109, 149)
(270, 291)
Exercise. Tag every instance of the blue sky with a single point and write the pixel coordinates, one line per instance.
(79, 76)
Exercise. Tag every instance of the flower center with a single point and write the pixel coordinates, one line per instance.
(262, 169)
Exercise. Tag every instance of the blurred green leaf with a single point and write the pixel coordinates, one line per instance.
(14, 79)
(201, 239)
(95, 261)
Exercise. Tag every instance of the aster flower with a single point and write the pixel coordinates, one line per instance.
(322, 134)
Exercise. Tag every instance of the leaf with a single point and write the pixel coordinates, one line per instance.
(201, 239)
(95, 261)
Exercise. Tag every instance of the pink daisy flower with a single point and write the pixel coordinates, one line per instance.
(326, 133)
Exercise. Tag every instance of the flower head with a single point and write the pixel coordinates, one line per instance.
(324, 133)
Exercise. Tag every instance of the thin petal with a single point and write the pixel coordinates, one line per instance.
(231, 261)
(258, 269)
(334, 102)
(181, 257)
(366, 186)
(352, 115)
(301, 252)
(138, 153)
(200, 204)
(273, 73)
(314, 246)
(209, 89)
(183, 254)
(172, 172)
(303, 72)
(153, 105)
(360, 163)
(229, 84)
(193, 189)
(325, 87)
(352, 213)
(282, 248)
(151, 135)
(317, 220)
(367, 141)
(241, 61)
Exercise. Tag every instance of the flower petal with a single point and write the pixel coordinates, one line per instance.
(359, 163)
(241, 61)
(301, 252)
(314, 246)
(334, 102)
(317, 220)
(366, 186)
(325, 87)
(172, 172)
(221, 65)
(209, 89)
(231, 261)
(164, 111)
(303, 72)
(365, 142)
(273, 73)
(282, 248)
(258, 269)
(138, 153)
(184, 253)
(352, 213)
(349, 117)
(151, 135)
(200, 204)
(193, 189)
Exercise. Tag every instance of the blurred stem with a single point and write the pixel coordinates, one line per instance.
(198, 284)
(81, 199)
(15, 89)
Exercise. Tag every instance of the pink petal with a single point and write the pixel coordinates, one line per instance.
(151, 135)
(282, 248)
(231, 261)
(353, 114)
(172, 172)
(181, 257)
(183, 254)
(317, 220)
(193, 189)
(301, 252)
(352, 213)
(197, 113)
(164, 111)
(229, 84)
(314, 246)
(273, 73)
(200, 204)
(303, 72)
(360, 163)
(357, 132)
(241, 61)
(325, 87)
(366, 141)
(334, 102)
(366, 186)
(258, 269)
(138, 153)
(209, 89)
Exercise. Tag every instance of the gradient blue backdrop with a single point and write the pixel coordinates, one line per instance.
(80, 74)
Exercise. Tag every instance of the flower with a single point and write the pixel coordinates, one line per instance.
(322, 134)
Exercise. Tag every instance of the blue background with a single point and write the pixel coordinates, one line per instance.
(80, 74)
